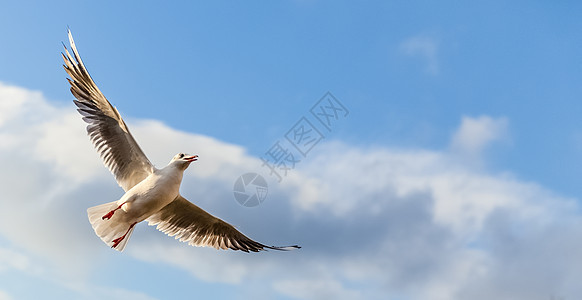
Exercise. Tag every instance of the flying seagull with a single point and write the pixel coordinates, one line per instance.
(150, 194)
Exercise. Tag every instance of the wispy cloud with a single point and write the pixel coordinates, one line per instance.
(316, 288)
(426, 48)
(475, 134)
(4, 296)
(408, 223)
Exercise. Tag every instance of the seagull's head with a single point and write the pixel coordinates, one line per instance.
(183, 160)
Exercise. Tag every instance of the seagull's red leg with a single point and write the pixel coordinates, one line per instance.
(110, 214)
(119, 239)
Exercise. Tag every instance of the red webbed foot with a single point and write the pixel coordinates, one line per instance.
(119, 239)
(110, 214)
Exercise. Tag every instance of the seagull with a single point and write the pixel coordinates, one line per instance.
(151, 194)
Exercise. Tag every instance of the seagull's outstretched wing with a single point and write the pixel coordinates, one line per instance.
(107, 130)
(191, 224)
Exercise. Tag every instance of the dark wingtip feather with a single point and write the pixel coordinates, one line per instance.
(284, 248)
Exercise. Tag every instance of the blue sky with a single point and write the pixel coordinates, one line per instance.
(458, 113)
(262, 64)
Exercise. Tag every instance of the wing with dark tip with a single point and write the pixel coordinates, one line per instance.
(191, 224)
(107, 130)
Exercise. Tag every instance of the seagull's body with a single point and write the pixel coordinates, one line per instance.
(143, 200)
(151, 194)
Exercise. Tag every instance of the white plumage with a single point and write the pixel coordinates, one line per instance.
(150, 194)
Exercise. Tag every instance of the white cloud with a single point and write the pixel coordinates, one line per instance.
(475, 134)
(205, 263)
(425, 47)
(46, 165)
(10, 259)
(4, 296)
(407, 223)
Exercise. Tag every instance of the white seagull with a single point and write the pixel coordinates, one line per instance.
(150, 194)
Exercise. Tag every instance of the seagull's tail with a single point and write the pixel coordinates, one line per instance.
(114, 231)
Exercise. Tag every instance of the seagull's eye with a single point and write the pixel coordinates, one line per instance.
(181, 155)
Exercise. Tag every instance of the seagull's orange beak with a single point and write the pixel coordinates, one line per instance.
(192, 158)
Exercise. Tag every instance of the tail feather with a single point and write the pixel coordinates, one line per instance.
(110, 229)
